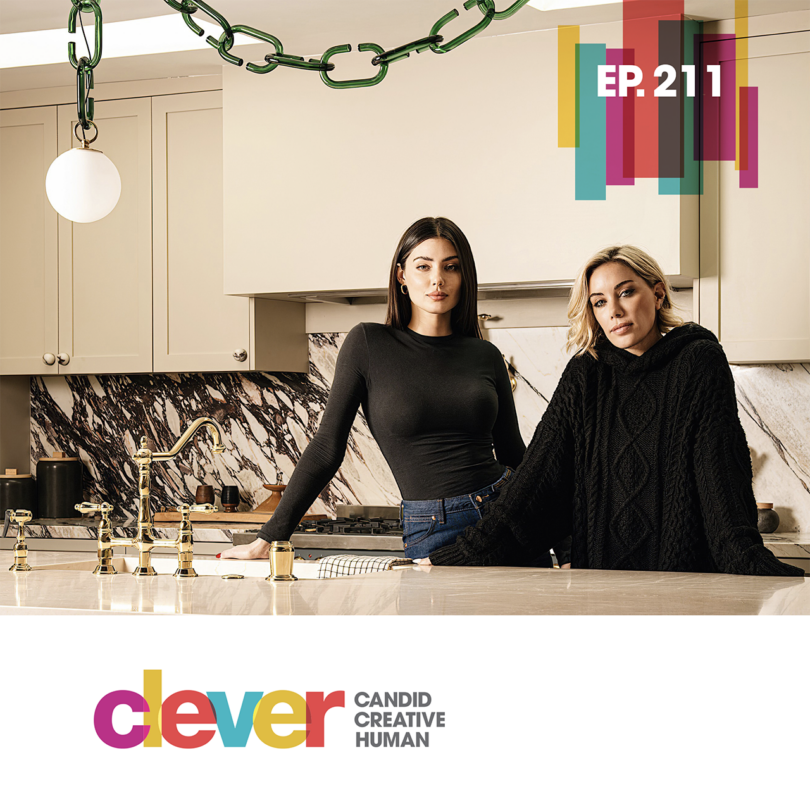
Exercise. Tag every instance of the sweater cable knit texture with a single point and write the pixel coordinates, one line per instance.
(643, 461)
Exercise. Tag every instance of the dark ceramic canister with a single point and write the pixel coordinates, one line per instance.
(18, 491)
(59, 485)
(767, 518)
(230, 498)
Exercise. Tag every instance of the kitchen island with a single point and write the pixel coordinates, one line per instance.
(410, 591)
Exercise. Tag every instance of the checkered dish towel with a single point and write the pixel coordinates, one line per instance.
(345, 565)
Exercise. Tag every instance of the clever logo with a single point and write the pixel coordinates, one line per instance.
(257, 712)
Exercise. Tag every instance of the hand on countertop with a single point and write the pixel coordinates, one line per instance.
(257, 550)
(566, 565)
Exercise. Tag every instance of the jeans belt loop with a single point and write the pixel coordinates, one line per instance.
(442, 514)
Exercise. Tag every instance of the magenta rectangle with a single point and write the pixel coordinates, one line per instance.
(617, 173)
(719, 112)
(749, 137)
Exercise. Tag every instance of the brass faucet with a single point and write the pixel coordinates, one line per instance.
(145, 539)
(184, 543)
(20, 517)
(185, 540)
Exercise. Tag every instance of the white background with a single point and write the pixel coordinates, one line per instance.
(566, 712)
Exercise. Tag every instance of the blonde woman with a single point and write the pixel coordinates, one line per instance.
(640, 456)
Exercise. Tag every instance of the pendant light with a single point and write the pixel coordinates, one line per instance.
(83, 184)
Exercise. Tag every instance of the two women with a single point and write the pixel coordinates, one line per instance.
(435, 395)
(640, 456)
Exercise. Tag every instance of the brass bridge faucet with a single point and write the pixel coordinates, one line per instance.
(145, 539)
(184, 542)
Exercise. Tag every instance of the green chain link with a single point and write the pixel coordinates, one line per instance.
(84, 66)
(366, 46)
(434, 41)
(79, 7)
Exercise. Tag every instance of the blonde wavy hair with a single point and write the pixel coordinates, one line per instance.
(585, 333)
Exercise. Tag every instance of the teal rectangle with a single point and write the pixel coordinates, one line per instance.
(692, 181)
(591, 154)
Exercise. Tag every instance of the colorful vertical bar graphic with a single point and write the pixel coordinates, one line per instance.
(741, 38)
(567, 118)
(749, 137)
(691, 181)
(719, 112)
(617, 174)
(591, 154)
(672, 98)
(640, 31)
(670, 106)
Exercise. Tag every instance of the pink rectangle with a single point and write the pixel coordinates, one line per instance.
(719, 112)
(617, 173)
(749, 137)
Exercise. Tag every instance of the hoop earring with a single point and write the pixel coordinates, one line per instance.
(404, 289)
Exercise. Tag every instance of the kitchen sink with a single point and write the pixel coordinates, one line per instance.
(205, 568)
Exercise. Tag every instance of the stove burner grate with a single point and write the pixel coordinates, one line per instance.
(352, 526)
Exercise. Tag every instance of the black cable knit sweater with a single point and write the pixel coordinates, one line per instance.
(643, 461)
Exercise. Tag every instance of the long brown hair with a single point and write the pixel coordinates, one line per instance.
(464, 316)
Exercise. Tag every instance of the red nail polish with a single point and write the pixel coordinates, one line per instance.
(218, 555)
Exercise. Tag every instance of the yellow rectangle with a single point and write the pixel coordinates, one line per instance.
(741, 46)
(567, 130)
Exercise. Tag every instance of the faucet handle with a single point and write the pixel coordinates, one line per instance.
(19, 516)
(205, 508)
(86, 508)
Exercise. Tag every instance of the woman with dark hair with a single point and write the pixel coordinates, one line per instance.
(436, 397)
(640, 456)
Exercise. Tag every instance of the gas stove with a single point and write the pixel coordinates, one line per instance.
(361, 526)
(368, 530)
(356, 529)
(354, 519)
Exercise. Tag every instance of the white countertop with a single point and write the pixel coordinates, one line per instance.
(410, 591)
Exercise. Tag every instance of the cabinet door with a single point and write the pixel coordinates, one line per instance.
(762, 288)
(197, 326)
(105, 267)
(29, 318)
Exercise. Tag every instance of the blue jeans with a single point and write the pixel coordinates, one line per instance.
(428, 525)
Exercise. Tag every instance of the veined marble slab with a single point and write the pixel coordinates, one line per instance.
(268, 420)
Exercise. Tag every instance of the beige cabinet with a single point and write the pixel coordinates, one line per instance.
(320, 184)
(105, 267)
(755, 252)
(29, 318)
(141, 289)
(196, 326)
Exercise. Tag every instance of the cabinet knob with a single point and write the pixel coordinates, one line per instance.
(240, 355)
(63, 358)
(48, 359)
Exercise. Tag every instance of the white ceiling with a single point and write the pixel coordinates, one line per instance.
(306, 27)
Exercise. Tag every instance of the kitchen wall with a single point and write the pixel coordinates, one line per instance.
(268, 420)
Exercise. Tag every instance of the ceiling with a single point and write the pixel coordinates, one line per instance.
(306, 27)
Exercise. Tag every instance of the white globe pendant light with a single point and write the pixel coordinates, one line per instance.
(83, 184)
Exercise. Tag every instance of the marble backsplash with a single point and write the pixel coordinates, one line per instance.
(268, 419)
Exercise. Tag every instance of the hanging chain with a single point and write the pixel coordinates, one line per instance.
(382, 59)
(84, 66)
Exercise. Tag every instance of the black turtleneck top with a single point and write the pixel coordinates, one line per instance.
(437, 406)
(642, 460)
